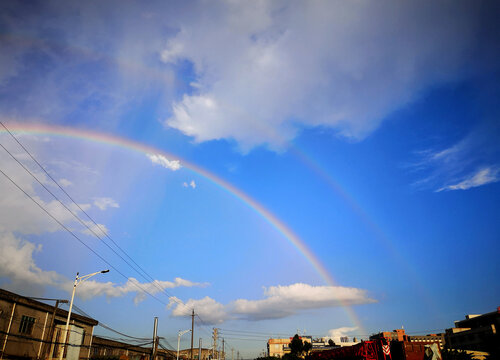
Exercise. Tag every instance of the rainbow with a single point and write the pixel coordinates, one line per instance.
(384, 240)
(270, 218)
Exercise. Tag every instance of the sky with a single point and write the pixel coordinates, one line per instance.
(325, 167)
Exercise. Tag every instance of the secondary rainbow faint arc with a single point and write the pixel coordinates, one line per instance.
(42, 129)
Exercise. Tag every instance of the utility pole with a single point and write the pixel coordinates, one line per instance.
(223, 351)
(199, 351)
(155, 339)
(192, 333)
(232, 354)
(215, 343)
(50, 334)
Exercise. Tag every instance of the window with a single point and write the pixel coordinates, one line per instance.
(26, 326)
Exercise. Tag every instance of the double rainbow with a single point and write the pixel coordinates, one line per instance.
(270, 218)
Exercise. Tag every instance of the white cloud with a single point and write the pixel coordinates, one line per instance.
(481, 177)
(163, 161)
(208, 309)
(105, 202)
(282, 301)
(18, 266)
(65, 182)
(311, 63)
(92, 229)
(91, 288)
(469, 162)
(191, 184)
(279, 302)
(336, 334)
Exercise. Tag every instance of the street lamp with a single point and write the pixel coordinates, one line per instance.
(179, 340)
(79, 279)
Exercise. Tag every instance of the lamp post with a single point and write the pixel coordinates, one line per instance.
(79, 279)
(179, 340)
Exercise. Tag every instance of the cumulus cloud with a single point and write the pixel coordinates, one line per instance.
(89, 289)
(292, 64)
(105, 202)
(18, 266)
(481, 177)
(20, 271)
(282, 301)
(279, 302)
(163, 161)
(93, 229)
(65, 182)
(207, 308)
(336, 334)
(191, 184)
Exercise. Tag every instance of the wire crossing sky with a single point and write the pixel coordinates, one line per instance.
(330, 168)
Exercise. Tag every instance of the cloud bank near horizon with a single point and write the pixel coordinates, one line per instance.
(279, 302)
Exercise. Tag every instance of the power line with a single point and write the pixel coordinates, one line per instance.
(146, 276)
(76, 237)
(108, 327)
(72, 200)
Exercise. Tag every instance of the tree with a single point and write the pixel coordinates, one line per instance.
(331, 342)
(296, 346)
(306, 347)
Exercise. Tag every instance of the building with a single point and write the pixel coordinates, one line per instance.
(107, 348)
(280, 347)
(476, 332)
(206, 354)
(102, 348)
(323, 343)
(276, 347)
(427, 339)
(398, 334)
(30, 329)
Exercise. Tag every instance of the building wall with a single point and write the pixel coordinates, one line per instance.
(438, 338)
(279, 347)
(398, 334)
(205, 354)
(109, 348)
(28, 335)
(476, 332)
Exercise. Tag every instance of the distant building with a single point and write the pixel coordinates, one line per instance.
(430, 338)
(206, 354)
(276, 347)
(323, 343)
(476, 332)
(398, 334)
(102, 348)
(26, 330)
(279, 347)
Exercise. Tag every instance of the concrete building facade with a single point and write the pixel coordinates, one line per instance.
(107, 348)
(280, 347)
(398, 334)
(30, 329)
(476, 332)
(427, 339)
(206, 354)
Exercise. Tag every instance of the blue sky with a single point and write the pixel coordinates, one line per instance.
(369, 129)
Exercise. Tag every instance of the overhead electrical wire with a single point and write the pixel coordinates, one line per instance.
(76, 236)
(72, 200)
(146, 276)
